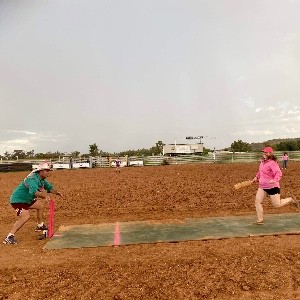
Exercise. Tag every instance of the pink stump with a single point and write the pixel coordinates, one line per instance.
(51, 219)
(117, 235)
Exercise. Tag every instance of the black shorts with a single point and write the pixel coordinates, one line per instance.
(20, 206)
(272, 191)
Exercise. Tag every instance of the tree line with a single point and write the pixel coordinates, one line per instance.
(157, 149)
(93, 151)
(285, 145)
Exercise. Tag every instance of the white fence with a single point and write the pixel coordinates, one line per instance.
(105, 162)
(222, 157)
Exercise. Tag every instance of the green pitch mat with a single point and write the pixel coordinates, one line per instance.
(142, 232)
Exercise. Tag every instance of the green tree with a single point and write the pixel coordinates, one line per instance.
(287, 146)
(75, 153)
(18, 154)
(94, 151)
(240, 146)
(206, 150)
(7, 155)
(40, 155)
(159, 147)
(155, 150)
(30, 154)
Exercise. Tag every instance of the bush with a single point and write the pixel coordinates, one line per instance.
(165, 162)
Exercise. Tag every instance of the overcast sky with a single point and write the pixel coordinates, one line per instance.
(125, 74)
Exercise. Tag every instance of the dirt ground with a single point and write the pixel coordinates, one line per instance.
(239, 268)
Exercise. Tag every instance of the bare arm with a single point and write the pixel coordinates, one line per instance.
(55, 192)
(44, 195)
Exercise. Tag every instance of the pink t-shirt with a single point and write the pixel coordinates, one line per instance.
(269, 170)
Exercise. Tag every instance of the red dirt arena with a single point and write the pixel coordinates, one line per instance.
(238, 268)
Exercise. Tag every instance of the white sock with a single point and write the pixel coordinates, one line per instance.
(10, 234)
(40, 225)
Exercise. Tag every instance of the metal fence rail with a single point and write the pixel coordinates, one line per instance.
(211, 158)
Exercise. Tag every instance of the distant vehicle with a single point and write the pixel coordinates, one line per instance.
(181, 149)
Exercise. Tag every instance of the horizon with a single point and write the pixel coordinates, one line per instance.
(124, 74)
(265, 143)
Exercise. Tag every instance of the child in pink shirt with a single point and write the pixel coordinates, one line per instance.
(268, 177)
(285, 159)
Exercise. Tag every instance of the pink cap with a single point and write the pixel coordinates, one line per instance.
(267, 150)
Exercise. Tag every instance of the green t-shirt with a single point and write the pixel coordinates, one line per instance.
(25, 192)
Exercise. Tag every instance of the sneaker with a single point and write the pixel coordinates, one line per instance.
(10, 240)
(258, 223)
(41, 228)
(295, 202)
